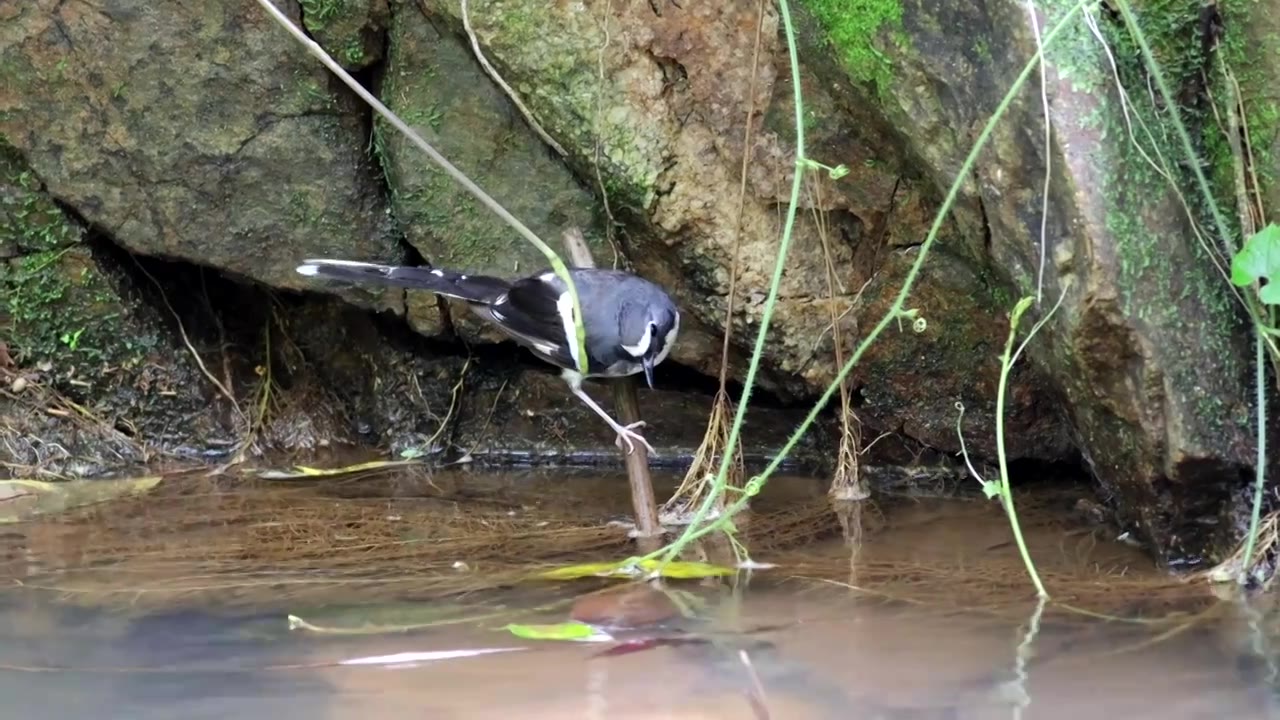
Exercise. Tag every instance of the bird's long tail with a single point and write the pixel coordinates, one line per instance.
(472, 288)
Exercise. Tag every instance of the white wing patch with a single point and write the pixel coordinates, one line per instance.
(564, 307)
(438, 273)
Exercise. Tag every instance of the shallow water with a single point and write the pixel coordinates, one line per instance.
(177, 605)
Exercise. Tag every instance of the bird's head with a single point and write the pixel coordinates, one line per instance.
(648, 333)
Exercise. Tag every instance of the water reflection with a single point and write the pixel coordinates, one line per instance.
(179, 605)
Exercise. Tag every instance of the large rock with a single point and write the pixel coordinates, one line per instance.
(662, 101)
(1147, 349)
(433, 82)
(194, 131)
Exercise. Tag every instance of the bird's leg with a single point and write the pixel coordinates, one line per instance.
(625, 432)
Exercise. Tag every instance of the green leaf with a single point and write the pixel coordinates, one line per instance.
(571, 630)
(1259, 259)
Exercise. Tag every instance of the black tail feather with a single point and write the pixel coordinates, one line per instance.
(472, 288)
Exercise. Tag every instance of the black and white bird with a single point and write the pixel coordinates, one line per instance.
(630, 323)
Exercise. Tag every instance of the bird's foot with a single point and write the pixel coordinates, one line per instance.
(627, 435)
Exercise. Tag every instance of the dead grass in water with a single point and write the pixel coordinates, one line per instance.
(231, 541)
(249, 541)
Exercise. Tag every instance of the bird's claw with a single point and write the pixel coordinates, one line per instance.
(627, 434)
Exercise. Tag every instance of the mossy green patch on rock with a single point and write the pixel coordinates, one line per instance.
(57, 305)
(858, 30)
(349, 30)
(29, 220)
(1250, 51)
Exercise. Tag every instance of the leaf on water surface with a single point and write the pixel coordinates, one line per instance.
(302, 472)
(625, 568)
(573, 631)
(21, 499)
(1260, 259)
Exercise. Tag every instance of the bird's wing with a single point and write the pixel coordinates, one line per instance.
(530, 312)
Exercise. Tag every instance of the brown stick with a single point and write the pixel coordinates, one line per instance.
(648, 531)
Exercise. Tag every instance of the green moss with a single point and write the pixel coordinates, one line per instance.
(54, 303)
(857, 29)
(1249, 51)
(29, 220)
(349, 30)
(551, 58)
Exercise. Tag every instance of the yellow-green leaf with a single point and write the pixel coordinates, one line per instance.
(627, 568)
(560, 631)
(21, 499)
(302, 471)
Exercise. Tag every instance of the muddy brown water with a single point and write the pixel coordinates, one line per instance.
(177, 604)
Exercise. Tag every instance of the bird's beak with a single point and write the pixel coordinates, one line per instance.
(648, 370)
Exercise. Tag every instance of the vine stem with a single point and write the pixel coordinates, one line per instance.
(895, 311)
(735, 430)
(1006, 492)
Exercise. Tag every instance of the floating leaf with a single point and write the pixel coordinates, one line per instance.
(626, 568)
(21, 499)
(304, 472)
(572, 630)
(1260, 259)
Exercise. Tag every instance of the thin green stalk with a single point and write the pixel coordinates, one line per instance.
(1006, 492)
(726, 459)
(692, 532)
(557, 265)
(1260, 471)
